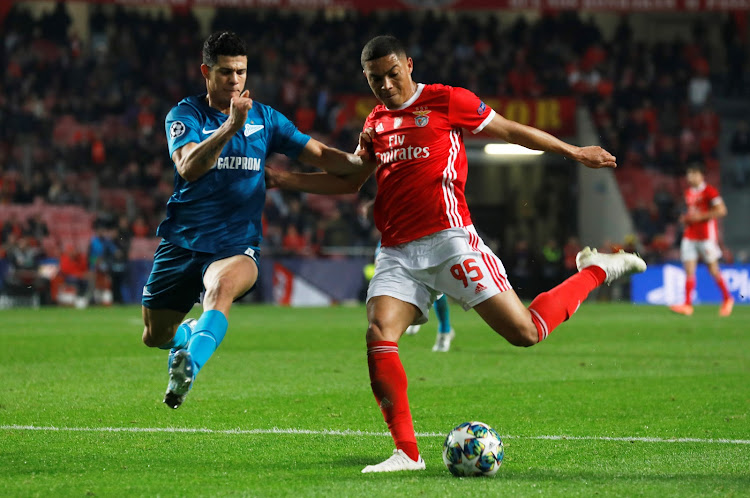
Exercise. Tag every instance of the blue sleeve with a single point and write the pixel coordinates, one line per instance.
(286, 139)
(182, 126)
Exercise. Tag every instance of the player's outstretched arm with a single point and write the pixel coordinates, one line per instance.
(332, 160)
(314, 183)
(194, 160)
(533, 138)
(361, 166)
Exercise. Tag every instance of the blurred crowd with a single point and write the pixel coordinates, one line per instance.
(83, 119)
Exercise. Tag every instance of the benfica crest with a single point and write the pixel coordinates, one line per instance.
(421, 118)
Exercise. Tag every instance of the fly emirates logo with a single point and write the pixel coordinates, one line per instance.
(397, 152)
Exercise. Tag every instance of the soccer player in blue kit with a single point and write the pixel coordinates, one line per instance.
(211, 236)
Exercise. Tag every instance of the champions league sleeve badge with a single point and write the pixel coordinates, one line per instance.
(176, 130)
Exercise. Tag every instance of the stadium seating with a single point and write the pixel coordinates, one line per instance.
(94, 141)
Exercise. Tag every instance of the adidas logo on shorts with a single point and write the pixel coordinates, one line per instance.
(479, 288)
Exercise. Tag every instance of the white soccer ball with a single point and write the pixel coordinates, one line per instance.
(473, 449)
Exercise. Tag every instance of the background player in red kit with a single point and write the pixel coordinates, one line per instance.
(429, 245)
(700, 239)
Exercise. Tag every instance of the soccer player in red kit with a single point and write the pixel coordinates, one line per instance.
(700, 239)
(429, 245)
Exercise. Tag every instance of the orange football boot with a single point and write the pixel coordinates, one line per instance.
(726, 307)
(682, 309)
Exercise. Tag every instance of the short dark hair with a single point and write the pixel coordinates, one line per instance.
(381, 46)
(222, 43)
(695, 166)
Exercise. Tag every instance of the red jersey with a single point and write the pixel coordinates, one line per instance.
(422, 163)
(701, 200)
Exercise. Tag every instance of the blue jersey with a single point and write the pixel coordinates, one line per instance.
(222, 209)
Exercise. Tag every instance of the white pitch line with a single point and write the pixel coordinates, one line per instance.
(349, 432)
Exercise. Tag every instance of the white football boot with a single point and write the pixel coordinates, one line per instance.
(617, 265)
(443, 341)
(397, 462)
(180, 379)
(412, 329)
(189, 323)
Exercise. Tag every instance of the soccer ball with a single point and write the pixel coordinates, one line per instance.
(473, 449)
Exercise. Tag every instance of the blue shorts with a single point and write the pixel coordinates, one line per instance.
(176, 279)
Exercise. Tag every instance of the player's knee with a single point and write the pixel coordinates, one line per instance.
(523, 335)
(155, 337)
(222, 289)
(149, 339)
(376, 331)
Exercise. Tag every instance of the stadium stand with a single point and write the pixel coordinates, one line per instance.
(90, 110)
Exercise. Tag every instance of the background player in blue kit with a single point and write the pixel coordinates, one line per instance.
(445, 333)
(218, 142)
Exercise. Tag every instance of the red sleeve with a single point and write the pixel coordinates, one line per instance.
(368, 122)
(712, 194)
(466, 110)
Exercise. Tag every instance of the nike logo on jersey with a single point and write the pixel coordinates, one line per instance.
(208, 132)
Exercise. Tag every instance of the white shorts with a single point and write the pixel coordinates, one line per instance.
(708, 250)
(454, 262)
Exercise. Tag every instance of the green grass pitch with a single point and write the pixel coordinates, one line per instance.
(622, 400)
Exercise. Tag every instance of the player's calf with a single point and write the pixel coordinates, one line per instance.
(507, 315)
(161, 328)
(522, 335)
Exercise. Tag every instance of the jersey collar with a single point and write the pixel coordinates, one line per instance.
(417, 93)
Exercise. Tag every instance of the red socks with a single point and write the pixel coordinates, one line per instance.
(723, 286)
(689, 288)
(388, 381)
(549, 309)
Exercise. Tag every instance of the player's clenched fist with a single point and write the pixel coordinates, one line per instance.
(238, 108)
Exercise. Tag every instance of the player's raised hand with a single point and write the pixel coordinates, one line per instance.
(365, 147)
(595, 157)
(238, 108)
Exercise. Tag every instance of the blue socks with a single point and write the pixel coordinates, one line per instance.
(209, 332)
(180, 339)
(443, 314)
